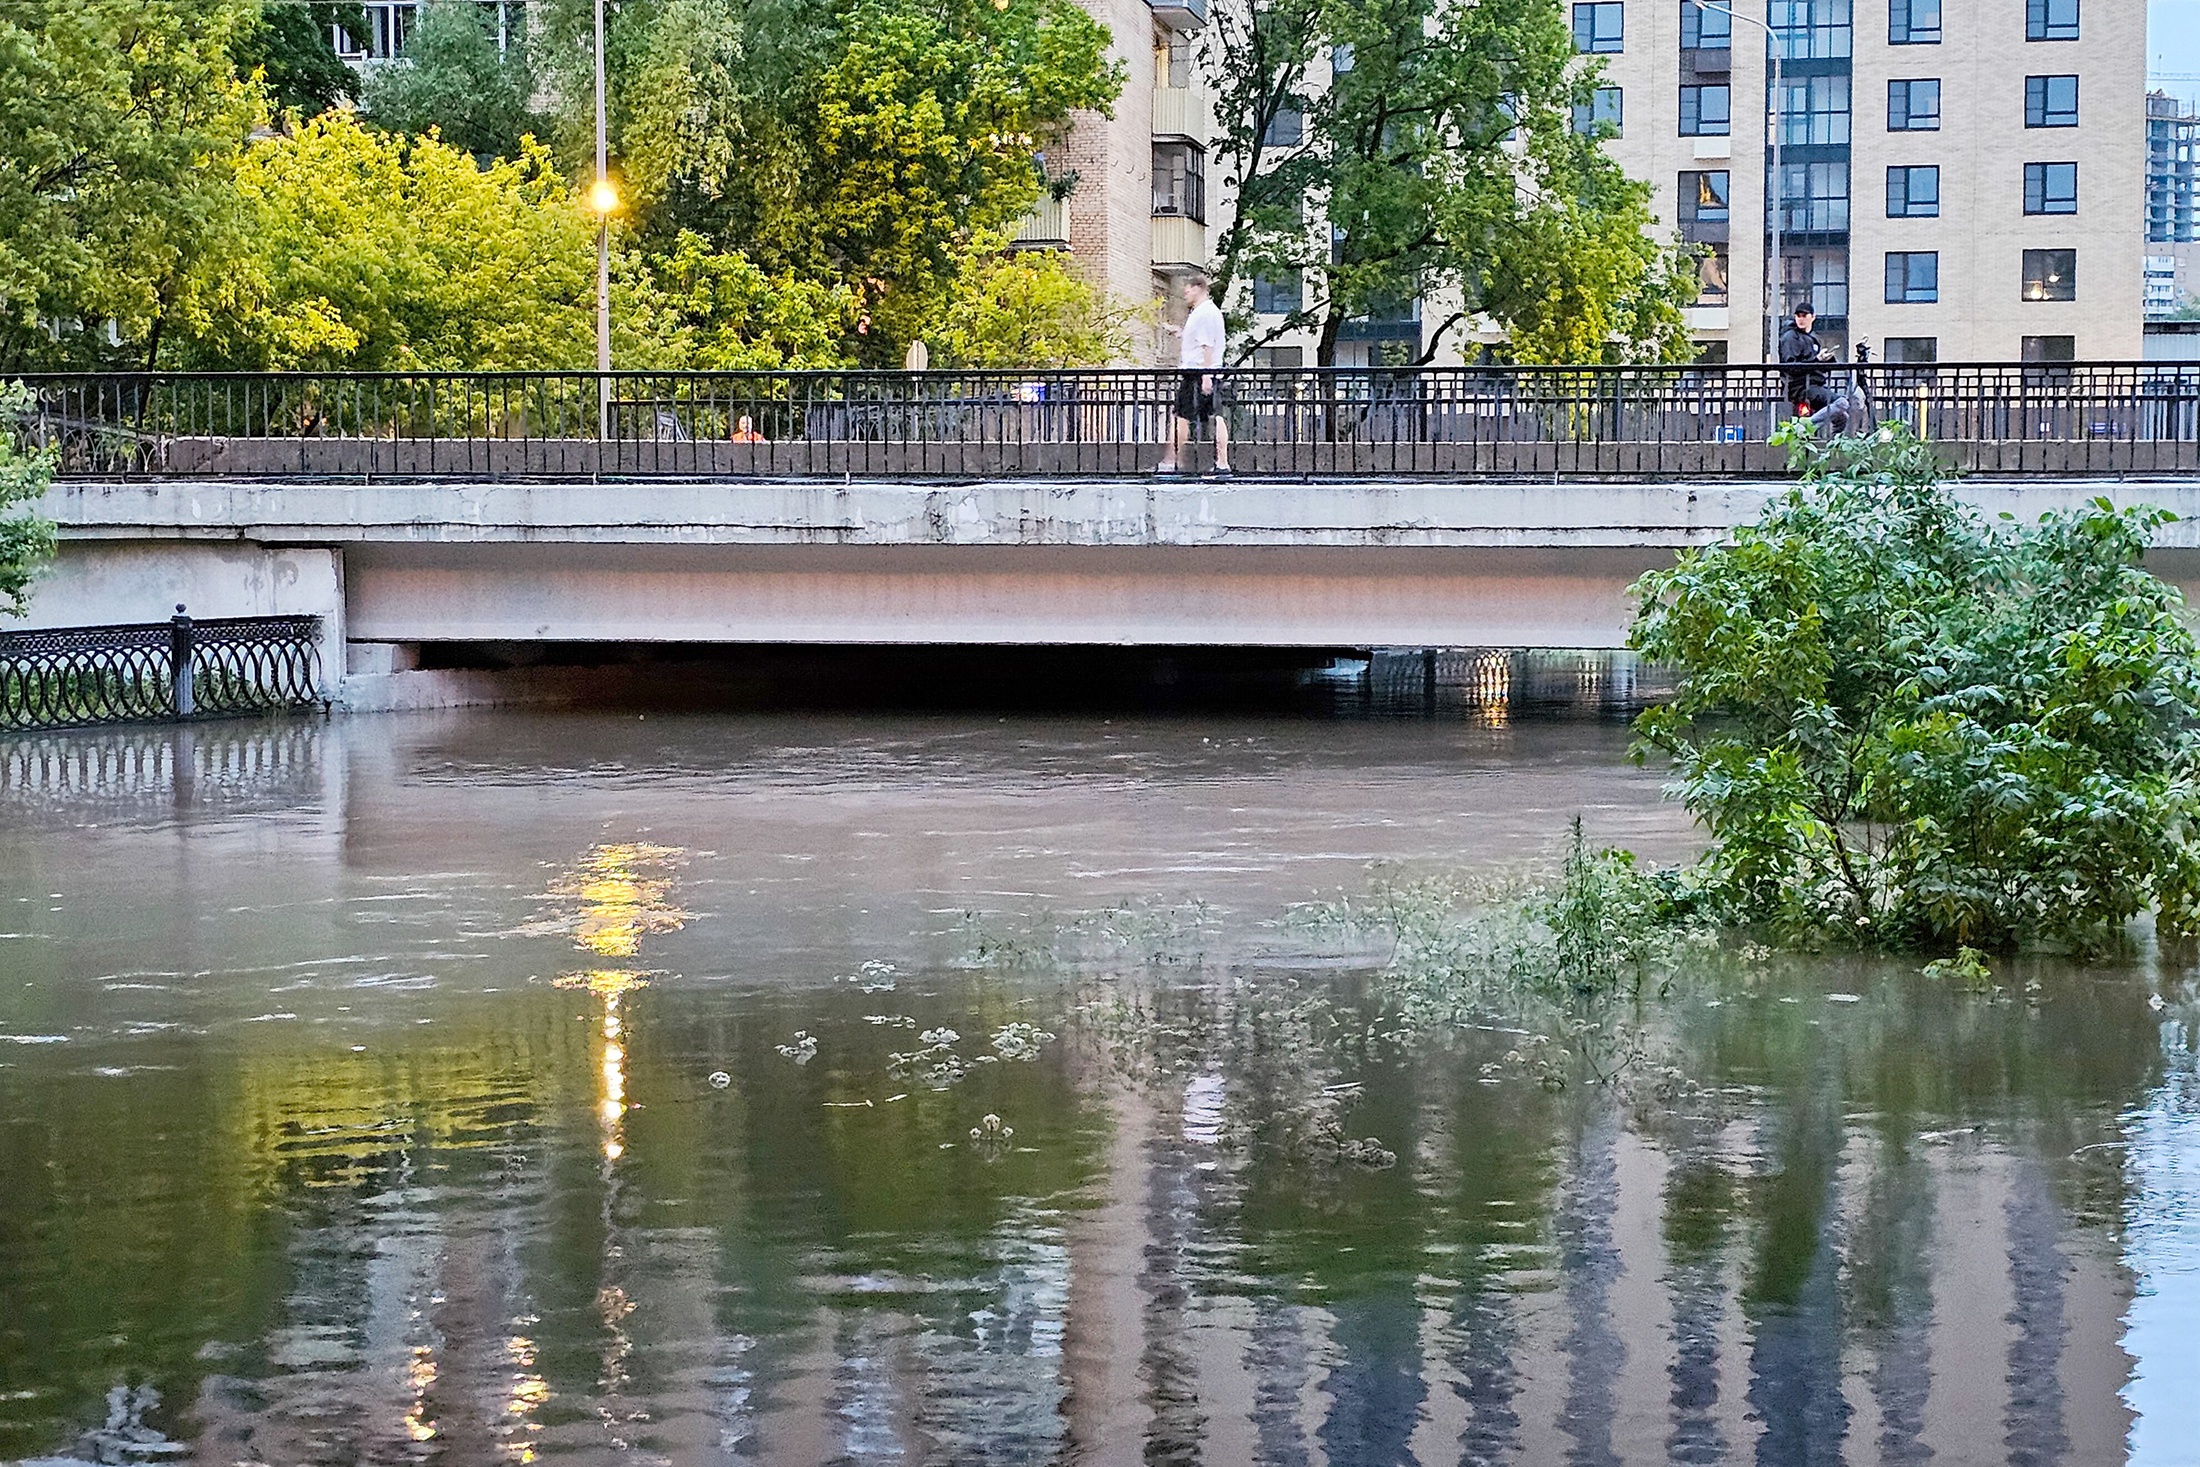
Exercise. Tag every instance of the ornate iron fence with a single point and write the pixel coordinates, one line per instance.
(80, 676)
(1328, 422)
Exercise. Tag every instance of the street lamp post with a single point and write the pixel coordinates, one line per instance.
(603, 198)
(1774, 46)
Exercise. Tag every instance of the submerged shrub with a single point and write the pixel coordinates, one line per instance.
(1906, 724)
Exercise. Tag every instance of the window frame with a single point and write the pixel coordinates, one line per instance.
(1587, 112)
(2037, 199)
(1269, 293)
(1907, 83)
(1193, 204)
(1693, 17)
(2041, 22)
(1902, 266)
(1689, 212)
(1902, 180)
(1692, 119)
(2039, 88)
(1887, 349)
(1809, 212)
(1596, 12)
(2038, 272)
(1903, 28)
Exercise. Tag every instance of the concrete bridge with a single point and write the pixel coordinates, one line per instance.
(1429, 509)
(397, 566)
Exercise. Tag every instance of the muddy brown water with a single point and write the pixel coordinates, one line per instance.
(501, 1088)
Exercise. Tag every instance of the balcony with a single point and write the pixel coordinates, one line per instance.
(1181, 112)
(1179, 243)
(1180, 15)
(1046, 227)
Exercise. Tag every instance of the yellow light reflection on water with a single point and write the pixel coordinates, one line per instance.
(616, 895)
(613, 898)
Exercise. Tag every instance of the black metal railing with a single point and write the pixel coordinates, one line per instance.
(75, 677)
(1334, 422)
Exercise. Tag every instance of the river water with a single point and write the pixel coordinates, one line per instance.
(492, 1088)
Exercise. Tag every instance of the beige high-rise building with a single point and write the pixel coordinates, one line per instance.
(1963, 180)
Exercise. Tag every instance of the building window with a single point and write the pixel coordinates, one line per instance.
(1600, 28)
(1180, 181)
(1712, 280)
(2051, 20)
(2050, 275)
(1287, 128)
(1706, 30)
(2050, 101)
(2050, 348)
(1910, 350)
(1600, 115)
(2050, 188)
(1814, 30)
(1706, 198)
(1814, 198)
(1707, 112)
(1913, 277)
(1913, 193)
(1914, 105)
(1913, 22)
(1820, 277)
(1341, 57)
(1277, 358)
(1284, 296)
(1814, 109)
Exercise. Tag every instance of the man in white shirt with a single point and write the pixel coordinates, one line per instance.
(1204, 340)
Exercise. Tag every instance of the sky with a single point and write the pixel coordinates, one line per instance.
(2173, 42)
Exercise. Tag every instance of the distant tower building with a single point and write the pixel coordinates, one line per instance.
(2173, 151)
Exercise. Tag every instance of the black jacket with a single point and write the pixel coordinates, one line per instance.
(1798, 345)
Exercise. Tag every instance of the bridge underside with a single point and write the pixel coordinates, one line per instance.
(1273, 596)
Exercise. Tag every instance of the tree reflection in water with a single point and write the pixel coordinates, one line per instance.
(519, 1221)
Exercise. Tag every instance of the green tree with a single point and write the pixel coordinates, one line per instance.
(1391, 151)
(1905, 724)
(26, 541)
(696, 309)
(289, 46)
(1024, 308)
(861, 144)
(369, 251)
(454, 80)
(119, 123)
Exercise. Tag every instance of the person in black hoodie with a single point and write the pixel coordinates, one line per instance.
(1805, 389)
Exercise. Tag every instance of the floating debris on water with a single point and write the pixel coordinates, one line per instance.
(719, 1079)
(874, 977)
(1020, 1041)
(802, 1050)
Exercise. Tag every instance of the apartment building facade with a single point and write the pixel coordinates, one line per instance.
(1958, 179)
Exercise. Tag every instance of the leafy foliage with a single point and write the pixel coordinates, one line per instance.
(26, 541)
(119, 120)
(1391, 150)
(1024, 309)
(364, 250)
(1904, 724)
(698, 310)
(288, 45)
(453, 81)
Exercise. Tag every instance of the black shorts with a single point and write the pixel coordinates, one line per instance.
(1193, 405)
